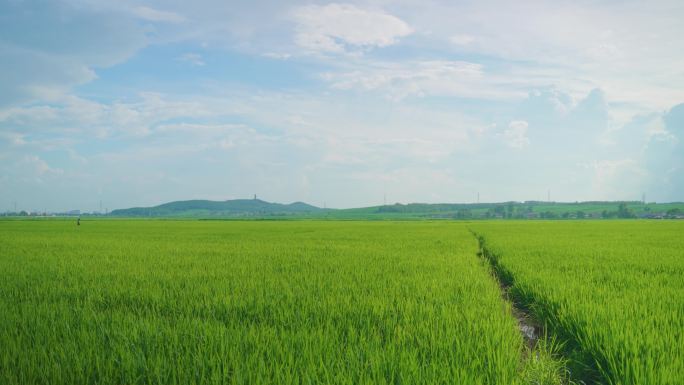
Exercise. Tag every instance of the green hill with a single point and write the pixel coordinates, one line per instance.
(255, 208)
(520, 210)
(229, 208)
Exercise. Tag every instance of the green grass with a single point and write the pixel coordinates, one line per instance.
(176, 302)
(613, 290)
(346, 302)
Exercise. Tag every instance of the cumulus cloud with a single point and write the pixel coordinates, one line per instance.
(591, 113)
(337, 27)
(72, 116)
(674, 120)
(590, 103)
(38, 166)
(28, 169)
(615, 179)
(48, 47)
(664, 157)
(558, 120)
(422, 78)
(516, 134)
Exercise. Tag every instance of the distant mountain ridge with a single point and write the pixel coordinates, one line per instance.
(231, 208)
(256, 209)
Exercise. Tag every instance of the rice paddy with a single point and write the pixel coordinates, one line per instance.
(172, 302)
(326, 302)
(614, 291)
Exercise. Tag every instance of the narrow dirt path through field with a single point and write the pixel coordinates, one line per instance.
(529, 328)
(543, 361)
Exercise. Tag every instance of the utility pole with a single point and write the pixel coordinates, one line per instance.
(548, 196)
(478, 197)
(384, 199)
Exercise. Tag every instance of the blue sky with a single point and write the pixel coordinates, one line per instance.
(137, 103)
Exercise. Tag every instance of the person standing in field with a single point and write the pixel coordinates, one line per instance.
(78, 221)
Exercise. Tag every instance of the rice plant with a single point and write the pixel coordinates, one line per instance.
(613, 290)
(192, 302)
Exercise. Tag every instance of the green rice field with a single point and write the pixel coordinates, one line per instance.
(613, 290)
(339, 302)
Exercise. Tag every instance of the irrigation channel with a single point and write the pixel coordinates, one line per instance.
(533, 331)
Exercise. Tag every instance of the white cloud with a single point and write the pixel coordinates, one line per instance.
(329, 137)
(87, 119)
(13, 139)
(39, 166)
(615, 179)
(630, 50)
(462, 39)
(516, 134)
(151, 14)
(30, 168)
(26, 74)
(327, 143)
(423, 78)
(336, 27)
(192, 58)
(277, 55)
(47, 48)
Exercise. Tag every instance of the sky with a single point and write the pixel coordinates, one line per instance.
(343, 104)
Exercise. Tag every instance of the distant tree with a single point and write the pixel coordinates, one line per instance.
(608, 214)
(548, 215)
(674, 212)
(581, 214)
(464, 213)
(625, 212)
(566, 215)
(395, 208)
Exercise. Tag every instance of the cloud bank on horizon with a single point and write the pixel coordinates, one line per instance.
(137, 103)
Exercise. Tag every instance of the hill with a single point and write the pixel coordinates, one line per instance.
(229, 208)
(520, 210)
(256, 208)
